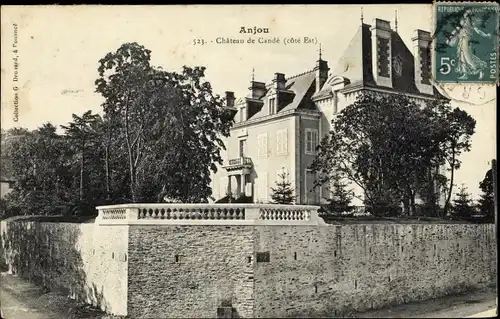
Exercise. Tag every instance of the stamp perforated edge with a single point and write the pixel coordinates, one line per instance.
(433, 43)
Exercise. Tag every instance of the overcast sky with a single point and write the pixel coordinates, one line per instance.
(59, 48)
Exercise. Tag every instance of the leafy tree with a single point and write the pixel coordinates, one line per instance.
(454, 129)
(39, 170)
(361, 146)
(168, 125)
(340, 198)
(390, 147)
(487, 198)
(283, 192)
(462, 204)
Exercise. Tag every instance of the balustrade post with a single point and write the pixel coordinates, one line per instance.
(252, 213)
(132, 214)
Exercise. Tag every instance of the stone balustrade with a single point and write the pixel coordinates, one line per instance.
(209, 214)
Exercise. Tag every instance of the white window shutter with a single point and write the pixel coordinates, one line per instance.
(264, 145)
(248, 189)
(316, 139)
(278, 142)
(285, 141)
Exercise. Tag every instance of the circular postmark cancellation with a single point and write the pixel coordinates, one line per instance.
(465, 50)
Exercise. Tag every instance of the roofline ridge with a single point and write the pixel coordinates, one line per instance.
(297, 75)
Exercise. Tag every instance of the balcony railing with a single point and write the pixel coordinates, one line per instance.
(209, 214)
(240, 162)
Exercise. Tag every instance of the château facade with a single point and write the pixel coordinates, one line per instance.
(279, 124)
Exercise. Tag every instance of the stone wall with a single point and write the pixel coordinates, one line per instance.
(325, 271)
(83, 260)
(261, 271)
(190, 271)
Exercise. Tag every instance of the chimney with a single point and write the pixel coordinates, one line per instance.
(230, 99)
(321, 70)
(422, 53)
(279, 81)
(257, 90)
(382, 52)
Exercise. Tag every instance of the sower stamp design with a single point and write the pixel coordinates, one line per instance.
(466, 42)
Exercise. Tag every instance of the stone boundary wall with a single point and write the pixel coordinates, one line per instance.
(81, 259)
(174, 270)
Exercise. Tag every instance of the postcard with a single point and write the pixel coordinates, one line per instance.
(282, 114)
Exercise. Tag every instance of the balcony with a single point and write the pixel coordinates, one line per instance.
(239, 163)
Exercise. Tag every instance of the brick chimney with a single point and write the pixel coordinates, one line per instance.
(422, 53)
(382, 52)
(230, 99)
(279, 81)
(321, 70)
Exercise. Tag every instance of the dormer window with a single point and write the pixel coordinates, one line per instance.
(272, 105)
(242, 114)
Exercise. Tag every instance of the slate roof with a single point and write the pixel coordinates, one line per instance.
(356, 65)
(302, 85)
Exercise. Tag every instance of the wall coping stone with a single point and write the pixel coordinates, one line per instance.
(208, 214)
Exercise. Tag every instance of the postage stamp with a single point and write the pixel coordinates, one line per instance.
(466, 42)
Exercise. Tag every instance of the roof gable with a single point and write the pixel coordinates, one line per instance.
(300, 85)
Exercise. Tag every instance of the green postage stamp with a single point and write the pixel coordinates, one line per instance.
(466, 42)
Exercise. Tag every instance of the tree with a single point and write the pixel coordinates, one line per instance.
(42, 181)
(455, 128)
(168, 124)
(340, 198)
(487, 198)
(283, 192)
(390, 147)
(362, 146)
(82, 132)
(462, 204)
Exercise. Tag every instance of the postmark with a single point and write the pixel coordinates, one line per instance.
(466, 42)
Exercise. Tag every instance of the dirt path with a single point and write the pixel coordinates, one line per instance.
(20, 299)
(475, 304)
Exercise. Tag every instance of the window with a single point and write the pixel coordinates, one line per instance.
(312, 194)
(282, 142)
(243, 148)
(262, 186)
(311, 141)
(242, 114)
(262, 145)
(272, 105)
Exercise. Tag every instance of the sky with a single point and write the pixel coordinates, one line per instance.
(58, 49)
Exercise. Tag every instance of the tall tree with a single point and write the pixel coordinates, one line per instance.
(82, 132)
(455, 128)
(169, 125)
(487, 198)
